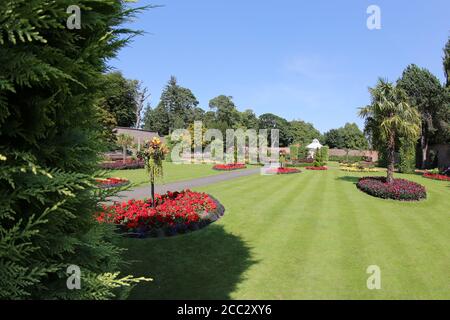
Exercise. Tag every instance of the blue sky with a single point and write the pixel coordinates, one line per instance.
(309, 60)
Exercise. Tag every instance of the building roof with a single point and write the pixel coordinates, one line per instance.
(315, 144)
(139, 135)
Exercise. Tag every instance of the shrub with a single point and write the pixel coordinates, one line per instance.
(294, 150)
(345, 159)
(325, 150)
(50, 129)
(120, 165)
(407, 155)
(399, 189)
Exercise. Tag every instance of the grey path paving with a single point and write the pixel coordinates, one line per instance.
(144, 192)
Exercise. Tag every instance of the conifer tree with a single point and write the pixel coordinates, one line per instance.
(50, 139)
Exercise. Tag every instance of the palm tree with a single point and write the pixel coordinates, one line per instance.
(124, 140)
(390, 117)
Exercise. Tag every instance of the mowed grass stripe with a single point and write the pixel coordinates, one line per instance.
(285, 243)
(309, 235)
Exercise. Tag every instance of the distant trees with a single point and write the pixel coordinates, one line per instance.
(178, 108)
(426, 93)
(303, 132)
(346, 137)
(447, 62)
(118, 97)
(390, 118)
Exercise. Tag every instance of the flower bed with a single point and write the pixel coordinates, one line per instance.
(119, 165)
(282, 171)
(173, 213)
(358, 169)
(436, 176)
(399, 189)
(229, 166)
(112, 182)
(316, 168)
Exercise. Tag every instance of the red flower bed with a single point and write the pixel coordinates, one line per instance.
(282, 170)
(435, 176)
(119, 165)
(229, 166)
(112, 182)
(399, 189)
(173, 212)
(316, 168)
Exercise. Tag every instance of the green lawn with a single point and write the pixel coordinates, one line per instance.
(172, 172)
(304, 236)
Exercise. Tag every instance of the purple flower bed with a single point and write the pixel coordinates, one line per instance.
(399, 189)
(119, 165)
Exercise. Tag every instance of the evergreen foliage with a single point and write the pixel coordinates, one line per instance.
(50, 138)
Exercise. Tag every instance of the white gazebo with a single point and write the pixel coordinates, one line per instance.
(312, 147)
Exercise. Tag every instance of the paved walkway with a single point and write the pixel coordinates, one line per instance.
(144, 192)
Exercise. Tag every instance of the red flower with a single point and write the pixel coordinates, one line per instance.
(436, 176)
(173, 208)
(282, 170)
(229, 166)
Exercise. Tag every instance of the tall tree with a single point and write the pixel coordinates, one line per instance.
(119, 96)
(427, 94)
(157, 119)
(49, 144)
(225, 111)
(270, 121)
(346, 137)
(303, 132)
(248, 119)
(447, 62)
(179, 103)
(392, 118)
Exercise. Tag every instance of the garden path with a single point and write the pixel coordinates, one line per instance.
(144, 192)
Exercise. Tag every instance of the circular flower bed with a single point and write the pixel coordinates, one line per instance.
(317, 168)
(173, 213)
(282, 171)
(229, 166)
(399, 189)
(112, 182)
(435, 176)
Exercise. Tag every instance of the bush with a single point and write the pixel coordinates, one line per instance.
(119, 165)
(294, 150)
(325, 154)
(399, 189)
(345, 159)
(51, 129)
(407, 163)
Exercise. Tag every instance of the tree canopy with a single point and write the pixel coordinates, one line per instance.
(347, 137)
